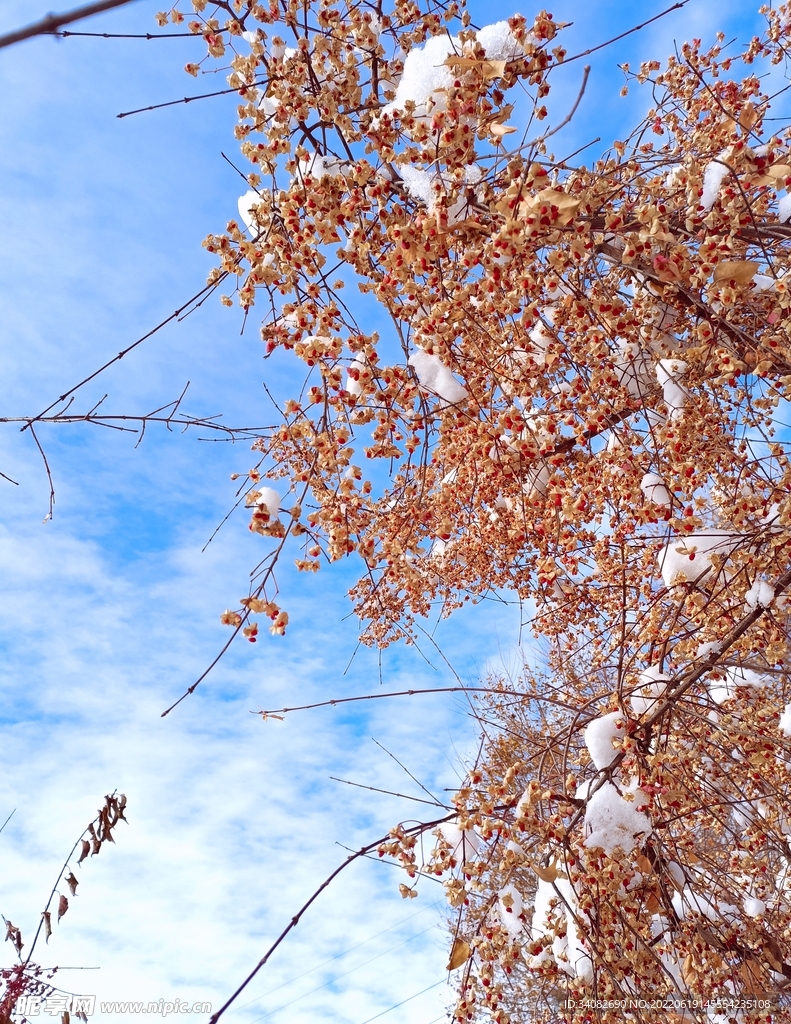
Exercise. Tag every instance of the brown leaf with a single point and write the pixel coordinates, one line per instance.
(72, 883)
(778, 171)
(548, 874)
(459, 954)
(738, 271)
(96, 845)
(748, 116)
(47, 924)
(63, 906)
(86, 849)
(489, 69)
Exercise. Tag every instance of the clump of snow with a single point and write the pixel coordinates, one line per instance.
(536, 480)
(653, 487)
(785, 721)
(668, 372)
(599, 736)
(553, 902)
(247, 206)
(540, 339)
(499, 42)
(689, 903)
(676, 873)
(653, 683)
(464, 843)
(754, 907)
(713, 176)
(760, 595)
(269, 499)
(437, 378)
(509, 907)
(617, 821)
(784, 208)
(689, 559)
(704, 650)
(317, 167)
(353, 385)
(426, 76)
(633, 369)
(419, 183)
(725, 689)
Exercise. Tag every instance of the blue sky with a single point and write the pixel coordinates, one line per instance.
(110, 610)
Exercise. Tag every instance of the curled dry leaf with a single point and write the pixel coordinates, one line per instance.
(459, 954)
(63, 906)
(737, 271)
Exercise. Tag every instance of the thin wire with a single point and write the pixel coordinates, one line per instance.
(337, 956)
(407, 1000)
(331, 981)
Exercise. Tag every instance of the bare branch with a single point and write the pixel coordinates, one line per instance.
(53, 21)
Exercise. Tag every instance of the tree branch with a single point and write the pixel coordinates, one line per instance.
(52, 22)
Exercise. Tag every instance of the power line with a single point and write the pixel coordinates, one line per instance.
(407, 1000)
(338, 977)
(337, 956)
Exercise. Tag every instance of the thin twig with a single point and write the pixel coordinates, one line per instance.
(409, 773)
(241, 90)
(206, 290)
(542, 138)
(410, 693)
(636, 28)
(53, 21)
(390, 792)
(48, 472)
(415, 829)
(10, 816)
(8, 478)
(124, 35)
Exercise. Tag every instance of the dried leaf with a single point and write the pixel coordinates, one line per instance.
(63, 906)
(748, 116)
(72, 883)
(489, 69)
(459, 954)
(86, 849)
(565, 204)
(47, 916)
(738, 271)
(548, 874)
(501, 129)
(406, 892)
(778, 171)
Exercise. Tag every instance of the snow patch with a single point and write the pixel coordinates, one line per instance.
(653, 487)
(599, 736)
(713, 176)
(617, 821)
(653, 683)
(435, 377)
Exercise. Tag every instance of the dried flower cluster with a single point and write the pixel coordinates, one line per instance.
(577, 395)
